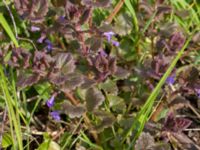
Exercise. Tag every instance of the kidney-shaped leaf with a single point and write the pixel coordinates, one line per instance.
(24, 81)
(106, 120)
(71, 110)
(121, 73)
(144, 142)
(65, 63)
(94, 98)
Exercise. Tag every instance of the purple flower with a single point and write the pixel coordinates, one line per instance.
(170, 80)
(41, 39)
(34, 28)
(115, 43)
(109, 35)
(49, 45)
(50, 102)
(103, 53)
(61, 19)
(55, 115)
(198, 92)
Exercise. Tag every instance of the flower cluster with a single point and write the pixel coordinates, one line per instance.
(50, 103)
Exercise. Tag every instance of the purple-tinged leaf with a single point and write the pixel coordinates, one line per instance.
(72, 81)
(161, 146)
(57, 79)
(24, 81)
(182, 123)
(160, 2)
(73, 111)
(20, 58)
(58, 3)
(73, 12)
(33, 10)
(85, 16)
(178, 103)
(113, 65)
(177, 40)
(94, 98)
(65, 63)
(42, 63)
(173, 124)
(99, 3)
(163, 9)
(95, 43)
(104, 65)
(144, 142)
(121, 73)
(87, 83)
(103, 3)
(185, 142)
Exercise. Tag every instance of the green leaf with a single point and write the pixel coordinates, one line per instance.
(116, 103)
(7, 140)
(44, 145)
(106, 120)
(53, 146)
(8, 30)
(109, 86)
(43, 90)
(131, 9)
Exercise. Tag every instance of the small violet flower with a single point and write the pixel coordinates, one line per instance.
(41, 39)
(103, 53)
(198, 92)
(51, 101)
(115, 43)
(61, 19)
(55, 115)
(109, 36)
(35, 29)
(49, 45)
(170, 80)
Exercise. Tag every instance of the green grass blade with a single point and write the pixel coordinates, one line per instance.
(8, 30)
(149, 22)
(87, 140)
(131, 9)
(13, 116)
